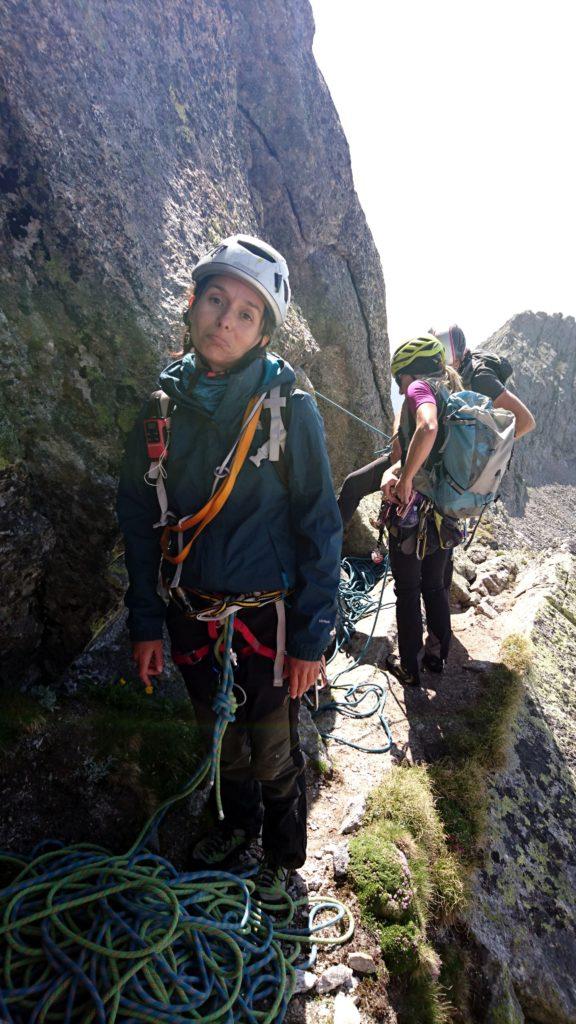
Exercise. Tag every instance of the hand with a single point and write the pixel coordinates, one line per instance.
(403, 490)
(302, 675)
(148, 657)
(389, 481)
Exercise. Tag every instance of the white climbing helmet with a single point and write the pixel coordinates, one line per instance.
(255, 262)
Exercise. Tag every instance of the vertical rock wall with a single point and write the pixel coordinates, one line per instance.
(134, 136)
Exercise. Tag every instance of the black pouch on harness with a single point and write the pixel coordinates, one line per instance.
(449, 530)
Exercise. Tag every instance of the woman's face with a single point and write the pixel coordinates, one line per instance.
(226, 321)
(404, 381)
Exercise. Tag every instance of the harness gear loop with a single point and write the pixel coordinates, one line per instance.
(223, 607)
(222, 491)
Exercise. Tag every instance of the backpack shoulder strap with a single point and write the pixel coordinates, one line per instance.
(276, 403)
(162, 403)
(161, 407)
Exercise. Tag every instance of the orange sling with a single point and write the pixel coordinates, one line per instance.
(210, 510)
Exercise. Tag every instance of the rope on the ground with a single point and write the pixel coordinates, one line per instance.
(87, 937)
(361, 700)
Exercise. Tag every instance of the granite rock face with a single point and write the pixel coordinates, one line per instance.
(542, 350)
(523, 906)
(134, 136)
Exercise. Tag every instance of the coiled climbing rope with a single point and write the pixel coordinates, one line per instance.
(361, 700)
(87, 937)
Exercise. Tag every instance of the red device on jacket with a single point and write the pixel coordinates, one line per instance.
(155, 432)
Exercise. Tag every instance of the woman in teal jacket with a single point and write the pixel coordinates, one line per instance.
(277, 535)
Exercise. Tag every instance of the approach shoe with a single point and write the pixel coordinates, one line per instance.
(220, 845)
(432, 662)
(271, 880)
(394, 666)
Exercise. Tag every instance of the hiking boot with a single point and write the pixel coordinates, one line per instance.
(432, 662)
(220, 845)
(393, 665)
(271, 880)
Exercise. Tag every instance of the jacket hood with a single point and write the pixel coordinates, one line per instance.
(270, 371)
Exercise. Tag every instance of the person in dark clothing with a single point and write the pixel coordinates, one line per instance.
(357, 485)
(240, 537)
(478, 373)
(485, 373)
(419, 369)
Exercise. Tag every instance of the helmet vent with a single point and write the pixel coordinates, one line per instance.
(286, 293)
(256, 251)
(277, 281)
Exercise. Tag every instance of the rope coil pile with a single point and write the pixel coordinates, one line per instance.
(87, 937)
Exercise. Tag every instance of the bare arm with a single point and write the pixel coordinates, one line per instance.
(525, 421)
(420, 447)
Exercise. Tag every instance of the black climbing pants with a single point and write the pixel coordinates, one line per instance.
(414, 579)
(262, 765)
(360, 483)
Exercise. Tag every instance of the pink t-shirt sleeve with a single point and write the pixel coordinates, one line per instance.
(417, 393)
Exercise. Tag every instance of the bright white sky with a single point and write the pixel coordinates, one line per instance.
(461, 122)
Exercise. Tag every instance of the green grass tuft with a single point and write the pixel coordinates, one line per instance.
(404, 875)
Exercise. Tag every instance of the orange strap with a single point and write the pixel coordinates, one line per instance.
(212, 507)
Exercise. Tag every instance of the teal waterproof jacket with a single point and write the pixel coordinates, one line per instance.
(280, 528)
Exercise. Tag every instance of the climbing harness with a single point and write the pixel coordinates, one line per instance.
(216, 607)
(87, 937)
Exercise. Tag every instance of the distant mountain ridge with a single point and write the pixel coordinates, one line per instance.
(542, 350)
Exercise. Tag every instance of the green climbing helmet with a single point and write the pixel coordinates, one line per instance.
(424, 354)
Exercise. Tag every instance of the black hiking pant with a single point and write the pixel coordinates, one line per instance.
(262, 766)
(414, 579)
(360, 483)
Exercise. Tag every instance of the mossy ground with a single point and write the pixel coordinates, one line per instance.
(155, 735)
(430, 818)
(92, 767)
(20, 715)
(406, 879)
(477, 740)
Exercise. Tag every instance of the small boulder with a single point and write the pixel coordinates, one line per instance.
(305, 982)
(485, 608)
(340, 861)
(465, 566)
(361, 962)
(335, 977)
(459, 590)
(354, 816)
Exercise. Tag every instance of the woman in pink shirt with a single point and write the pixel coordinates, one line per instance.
(419, 368)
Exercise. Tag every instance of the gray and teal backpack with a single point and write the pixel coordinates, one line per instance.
(463, 473)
